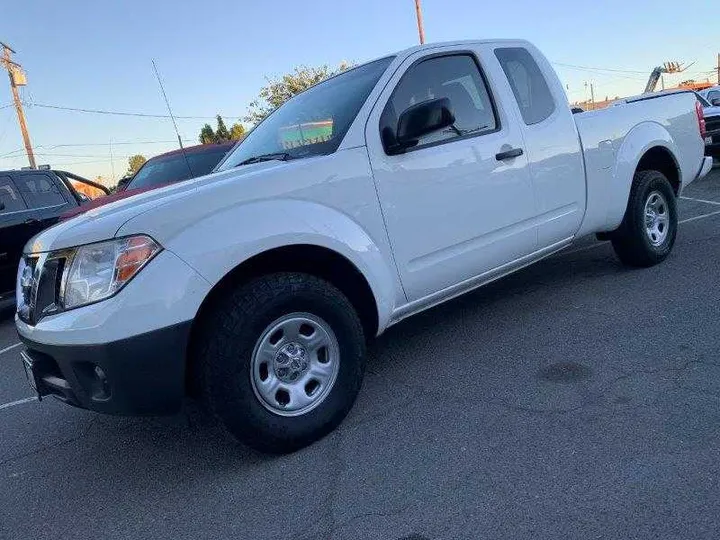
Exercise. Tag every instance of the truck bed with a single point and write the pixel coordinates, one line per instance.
(612, 138)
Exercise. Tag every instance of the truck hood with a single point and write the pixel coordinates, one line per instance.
(106, 199)
(103, 222)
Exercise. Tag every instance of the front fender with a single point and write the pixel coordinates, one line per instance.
(218, 242)
(636, 143)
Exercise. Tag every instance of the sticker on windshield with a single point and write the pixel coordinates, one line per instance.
(306, 133)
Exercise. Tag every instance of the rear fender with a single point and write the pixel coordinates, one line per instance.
(636, 143)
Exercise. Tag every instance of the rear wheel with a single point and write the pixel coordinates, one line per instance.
(647, 233)
(283, 360)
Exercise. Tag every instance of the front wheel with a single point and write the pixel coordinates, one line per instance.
(283, 360)
(647, 233)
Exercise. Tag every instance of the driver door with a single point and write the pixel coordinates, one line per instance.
(460, 203)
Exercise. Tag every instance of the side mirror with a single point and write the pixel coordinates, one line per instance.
(716, 101)
(420, 120)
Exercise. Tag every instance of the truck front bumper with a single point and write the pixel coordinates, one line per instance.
(140, 375)
(124, 355)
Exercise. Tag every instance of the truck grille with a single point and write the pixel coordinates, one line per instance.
(39, 280)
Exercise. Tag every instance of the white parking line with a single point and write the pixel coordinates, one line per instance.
(18, 402)
(716, 203)
(597, 245)
(10, 348)
(700, 217)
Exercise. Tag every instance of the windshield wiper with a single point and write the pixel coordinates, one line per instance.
(279, 156)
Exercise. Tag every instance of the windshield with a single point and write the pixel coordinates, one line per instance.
(313, 122)
(165, 170)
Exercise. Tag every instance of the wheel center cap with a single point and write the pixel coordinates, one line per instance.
(291, 362)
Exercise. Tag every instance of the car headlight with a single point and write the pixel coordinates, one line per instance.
(97, 271)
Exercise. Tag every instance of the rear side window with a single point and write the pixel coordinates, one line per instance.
(713, 95)
(39, 190)
(10, 199)
(528, 84)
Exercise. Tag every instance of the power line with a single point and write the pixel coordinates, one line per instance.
(598, 69)
(63, 163)
(53, 154)
(124, 113)
(69, 145)
(113, 143)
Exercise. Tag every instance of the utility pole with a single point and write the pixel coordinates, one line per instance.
(591, 103)
(421, 30)
(718, 68)
(112, 165)
(17, 78)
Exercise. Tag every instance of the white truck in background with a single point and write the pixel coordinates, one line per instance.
(374, 195)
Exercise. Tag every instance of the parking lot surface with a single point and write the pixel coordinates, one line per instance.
(576, 399)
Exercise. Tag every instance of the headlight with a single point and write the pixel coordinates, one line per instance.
(97, 271)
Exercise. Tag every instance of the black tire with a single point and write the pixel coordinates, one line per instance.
(631, 242)
(227, 342)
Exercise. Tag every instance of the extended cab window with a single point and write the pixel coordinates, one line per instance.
(528, 84)
(39, 190)
(456, 77)
(10, 199)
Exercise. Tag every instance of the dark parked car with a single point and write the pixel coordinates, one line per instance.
(30, 201)
(162, 170)
(712, 120)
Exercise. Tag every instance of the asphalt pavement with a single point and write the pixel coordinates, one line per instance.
(575, 399)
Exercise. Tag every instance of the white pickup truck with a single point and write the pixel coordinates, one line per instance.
(374, 195)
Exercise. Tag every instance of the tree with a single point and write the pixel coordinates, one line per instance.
(278, 91)
(237, 132)
(134, 164)
(207, 135)
(221, 133)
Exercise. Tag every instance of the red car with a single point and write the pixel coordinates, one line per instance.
(162, 170)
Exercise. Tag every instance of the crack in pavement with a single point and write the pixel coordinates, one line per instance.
(356, 517)
(679, 369)
(418, 392)
(51, 446)
(331, 499)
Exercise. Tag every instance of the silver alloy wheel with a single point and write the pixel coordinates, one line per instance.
(657, 218)
(295, 364)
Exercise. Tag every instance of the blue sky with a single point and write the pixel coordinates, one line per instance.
(214, 57)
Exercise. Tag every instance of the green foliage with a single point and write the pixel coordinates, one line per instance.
(134, 164)
(237, 132)
(221, 133)
(207, 135)
(278, 91)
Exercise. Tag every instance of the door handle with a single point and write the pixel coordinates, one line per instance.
(31, 221)
(509, 154)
